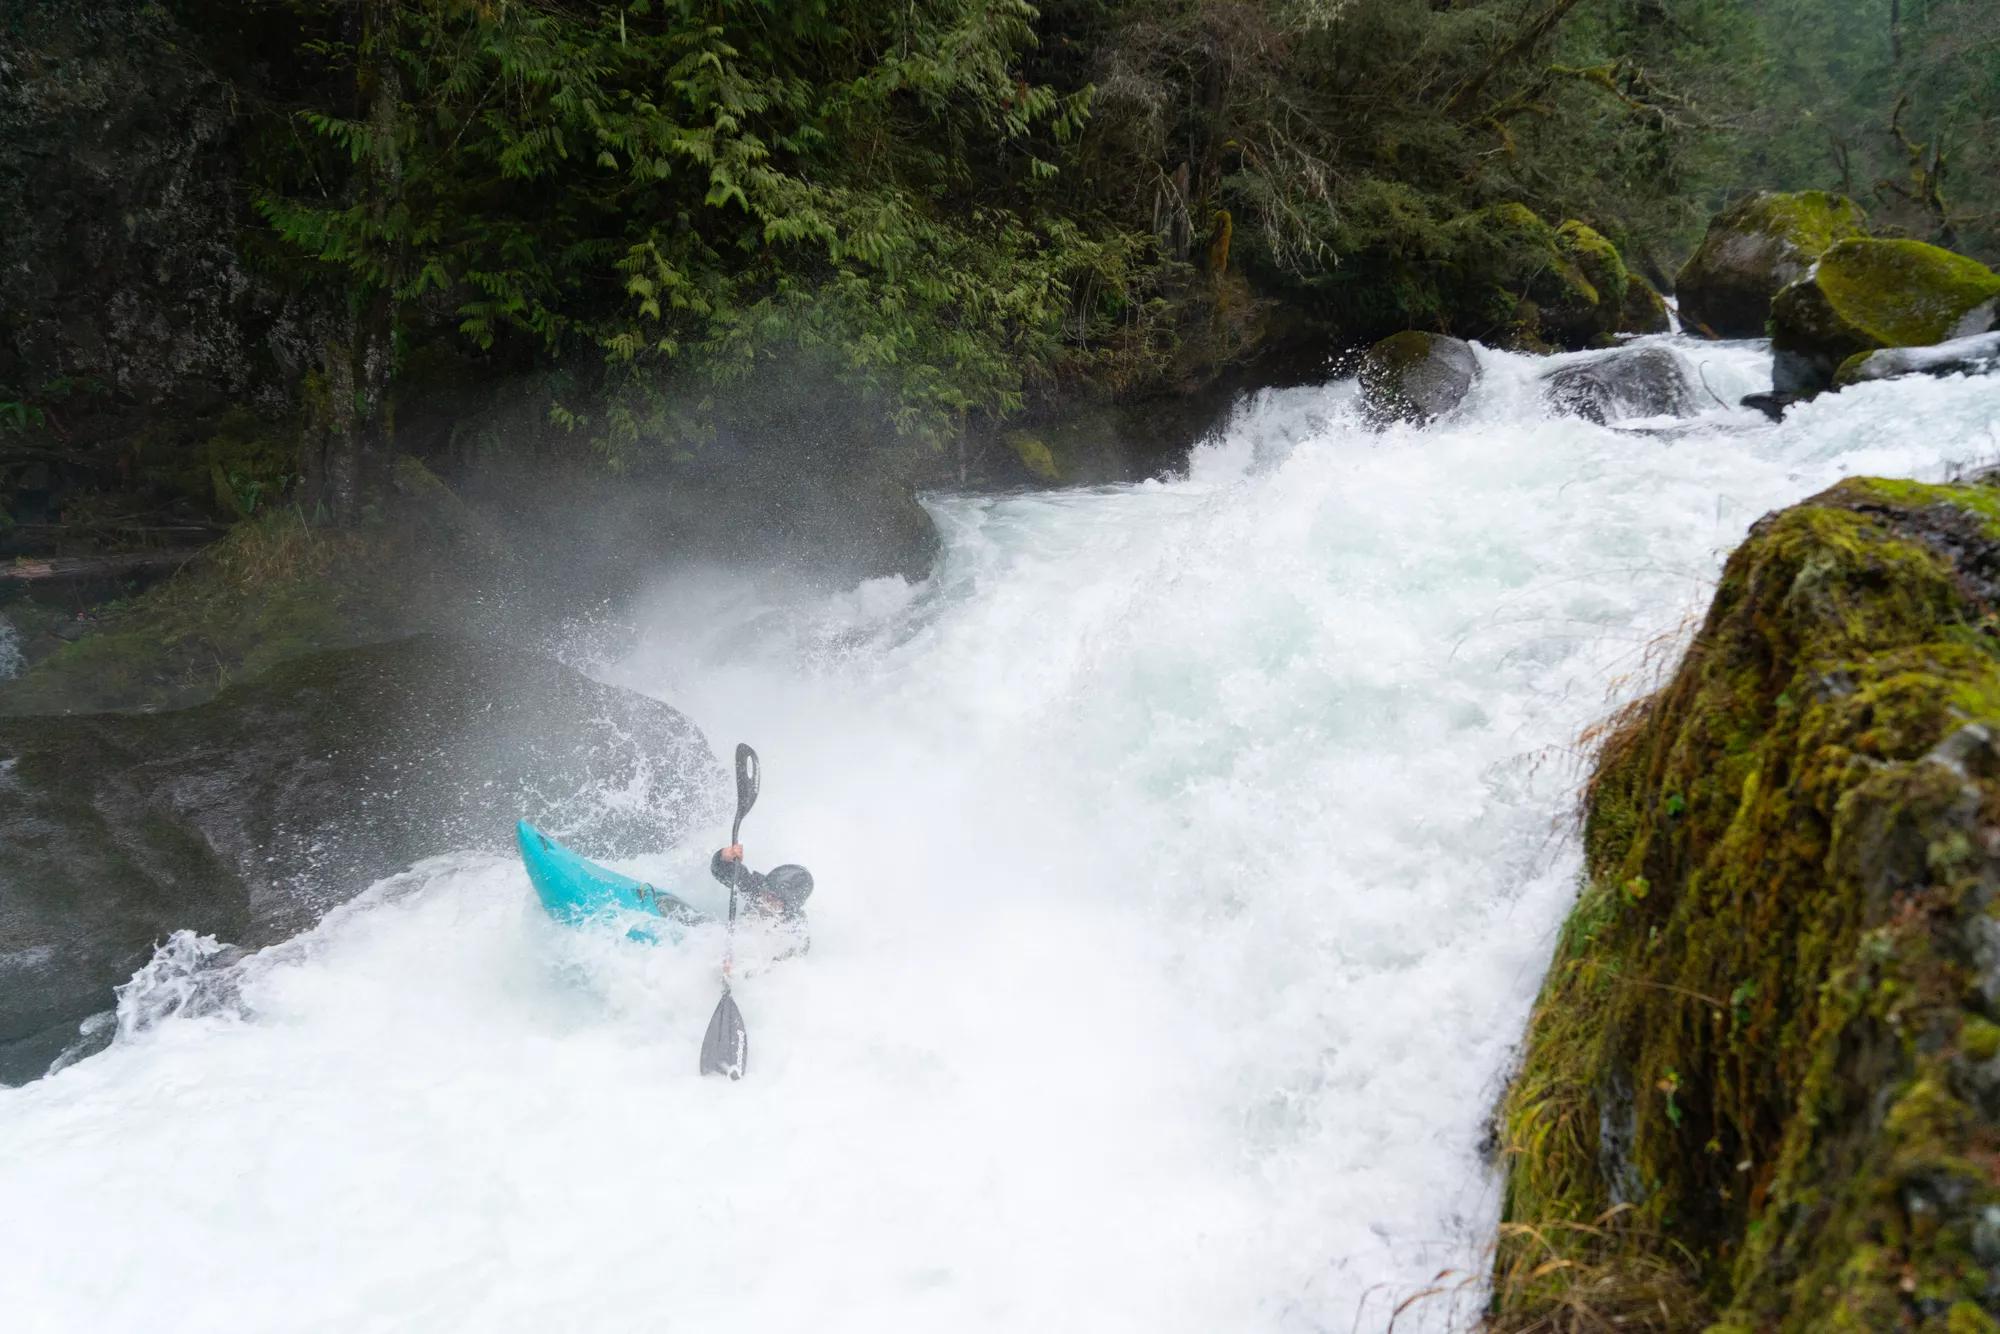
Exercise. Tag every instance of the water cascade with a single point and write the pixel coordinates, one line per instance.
(1188, 855)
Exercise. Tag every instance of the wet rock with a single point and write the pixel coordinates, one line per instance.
(1631, 382)
(1773, 404)
(1863, 295)
(1416, 377)
(1645, 310)
(1754, 250)
(248, 817)
(123, 287)
(1782, 960)
(1977, 355)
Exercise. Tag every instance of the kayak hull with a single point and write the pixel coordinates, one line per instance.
(574, 889)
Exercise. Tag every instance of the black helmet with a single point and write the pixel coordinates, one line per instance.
(793, 885)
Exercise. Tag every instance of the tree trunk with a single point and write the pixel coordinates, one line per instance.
(1524, 41)
(348, 430)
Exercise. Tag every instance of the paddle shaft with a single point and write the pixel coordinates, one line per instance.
(725, 1048)
(748, 780)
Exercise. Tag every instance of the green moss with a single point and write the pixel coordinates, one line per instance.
(1811, 220)
(1864, 295)
(1400, 351)
(1966, 1318)
(1034, 454)
(1980, 1039)
(1767, 1035)
(1516, 281)
(1599, 261)
(275, 588)
(1902, 293)
(1754, 249)
(1645, 310)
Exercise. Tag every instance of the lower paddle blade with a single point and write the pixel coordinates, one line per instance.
(725, 1048)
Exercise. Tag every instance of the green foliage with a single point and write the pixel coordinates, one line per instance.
(1898, 107)
(697, 187)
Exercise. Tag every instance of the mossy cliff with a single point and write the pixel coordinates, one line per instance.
(1760, 1088)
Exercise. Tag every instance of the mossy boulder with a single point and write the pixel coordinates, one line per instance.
(1761, 1088)
(248, 817)
(1604, 270)
(1415, 377)
(1753, 250)
(1866, 294)
(1518, 282)
(1645, 310)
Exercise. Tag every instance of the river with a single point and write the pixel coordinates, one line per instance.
(1188, 857)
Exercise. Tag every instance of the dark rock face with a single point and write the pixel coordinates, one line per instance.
(250, 816)
(1771, 1030)
(123, 292)
(1753, 250)
(1416, 377)
(1631, 382)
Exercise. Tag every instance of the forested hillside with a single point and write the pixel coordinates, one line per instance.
(597, 231)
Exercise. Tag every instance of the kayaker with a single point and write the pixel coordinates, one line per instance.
(780, 892)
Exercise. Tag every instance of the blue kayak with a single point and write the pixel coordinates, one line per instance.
(575, 889)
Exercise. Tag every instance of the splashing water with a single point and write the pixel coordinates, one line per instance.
(1188, 857)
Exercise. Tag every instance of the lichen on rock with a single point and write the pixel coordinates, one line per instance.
(1644, 310)
(1869, 294)
(1521, 283)
(1753, 250)
(1759, 1090)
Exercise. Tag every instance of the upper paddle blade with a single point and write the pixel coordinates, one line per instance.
(748, 773)
(725, 1048)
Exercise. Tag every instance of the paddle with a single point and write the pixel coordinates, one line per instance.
(725, 1048)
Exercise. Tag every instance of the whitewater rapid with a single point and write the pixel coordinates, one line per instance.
(1188, 853)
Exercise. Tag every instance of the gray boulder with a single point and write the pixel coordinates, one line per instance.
(1631, 382)
(1415, 377)
(1755, 249)
(251, 815)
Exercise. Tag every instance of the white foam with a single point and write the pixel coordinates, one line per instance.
(1188, 856)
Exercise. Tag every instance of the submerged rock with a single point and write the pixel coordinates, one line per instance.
(1759, 1087)
(1977, 355)
(248, 817)
(1631, 382)
(1416, 377)
(1864, 295)
(1754, 250)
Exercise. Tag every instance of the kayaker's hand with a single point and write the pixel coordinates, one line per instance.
(732, 853)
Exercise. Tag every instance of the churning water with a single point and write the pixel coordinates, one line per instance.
(1188, 853)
